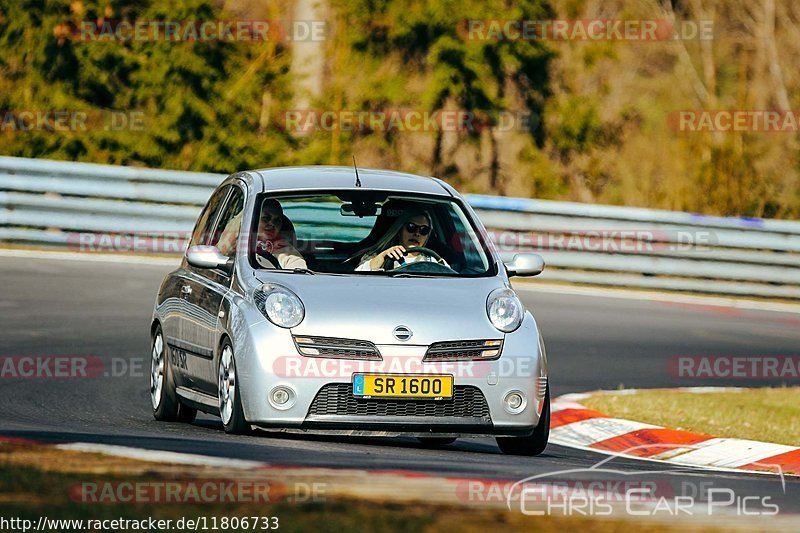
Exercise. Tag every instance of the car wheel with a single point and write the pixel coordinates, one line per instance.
(162, 388)
(533, 444)
(230, 402)
(436, 441)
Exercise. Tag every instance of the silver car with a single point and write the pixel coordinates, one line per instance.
(356, 302)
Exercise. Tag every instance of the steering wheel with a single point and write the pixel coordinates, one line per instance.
(262, 251)
(420, 266)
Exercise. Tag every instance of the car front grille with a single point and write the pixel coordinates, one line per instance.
(336, 348)
(468, 350)
(338, 399)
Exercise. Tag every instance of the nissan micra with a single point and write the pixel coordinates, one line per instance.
(351, 301)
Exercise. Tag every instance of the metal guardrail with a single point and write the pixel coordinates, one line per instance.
(50, 203)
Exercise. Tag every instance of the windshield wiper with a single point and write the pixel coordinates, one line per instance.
(303, 271)
(291, 270)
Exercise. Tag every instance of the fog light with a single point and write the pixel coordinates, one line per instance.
(281, 397)
(514, 402)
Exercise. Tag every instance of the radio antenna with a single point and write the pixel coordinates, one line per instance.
(358, 181)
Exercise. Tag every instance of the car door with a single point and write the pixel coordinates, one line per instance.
(183, 360)
(204, 291)
(170, 308)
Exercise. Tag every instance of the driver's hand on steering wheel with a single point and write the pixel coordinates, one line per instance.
(395, 252)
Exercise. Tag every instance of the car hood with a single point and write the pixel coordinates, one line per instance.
(370, 307)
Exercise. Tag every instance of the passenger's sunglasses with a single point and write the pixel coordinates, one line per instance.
(422, 229)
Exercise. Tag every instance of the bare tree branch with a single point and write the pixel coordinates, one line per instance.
(772, 52)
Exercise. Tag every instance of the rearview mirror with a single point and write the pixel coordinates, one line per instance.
(359, 209)
(525, 265)
(208, 257)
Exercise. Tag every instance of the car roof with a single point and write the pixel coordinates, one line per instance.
(343, 178)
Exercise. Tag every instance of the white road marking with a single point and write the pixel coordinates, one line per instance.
(158, 456)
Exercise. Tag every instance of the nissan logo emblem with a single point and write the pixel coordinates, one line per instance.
(402, 333)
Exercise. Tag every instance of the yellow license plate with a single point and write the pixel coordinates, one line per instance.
(402, 386)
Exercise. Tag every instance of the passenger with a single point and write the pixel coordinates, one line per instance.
(271, 243)
(227, 239)
(411, 230)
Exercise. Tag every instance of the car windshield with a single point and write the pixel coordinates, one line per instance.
(367, 233)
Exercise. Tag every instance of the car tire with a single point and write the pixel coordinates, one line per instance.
(533, 444)
(228, 393)
(162, 386)
(436, 441)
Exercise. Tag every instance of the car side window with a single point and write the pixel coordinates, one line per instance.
(204, 226)
(227, 232)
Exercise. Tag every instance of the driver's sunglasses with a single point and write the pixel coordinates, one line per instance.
(422, 229)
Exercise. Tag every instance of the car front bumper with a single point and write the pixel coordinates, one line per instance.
(267, 358)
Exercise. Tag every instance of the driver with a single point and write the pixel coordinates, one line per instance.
(271, 245)
(411, 230)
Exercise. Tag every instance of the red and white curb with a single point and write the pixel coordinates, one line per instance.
(575, 426)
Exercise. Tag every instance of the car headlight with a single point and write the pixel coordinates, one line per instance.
(504, 309)
(281, 306)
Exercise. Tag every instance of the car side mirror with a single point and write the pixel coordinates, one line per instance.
(525, 265)
(208, 257)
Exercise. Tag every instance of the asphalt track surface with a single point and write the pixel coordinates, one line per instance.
(79, 308)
